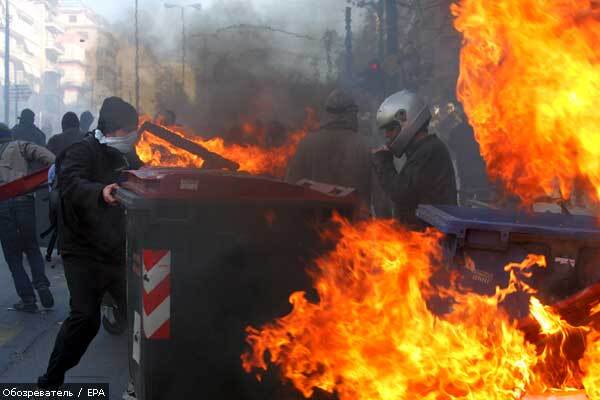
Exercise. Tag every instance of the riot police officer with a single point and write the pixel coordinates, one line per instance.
(428, 174)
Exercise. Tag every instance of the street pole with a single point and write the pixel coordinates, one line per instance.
(381, 32)
(196, 6)
(183, 47)
(391, 16)
(349, 55)
(6, 65)
(137, 59)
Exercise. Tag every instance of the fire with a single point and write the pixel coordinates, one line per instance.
(254, 158)
(372, 335)
(591, 366)
(530, 86)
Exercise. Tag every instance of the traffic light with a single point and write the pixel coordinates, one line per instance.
(372, 78)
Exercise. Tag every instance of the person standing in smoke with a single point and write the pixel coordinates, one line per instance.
(428, 174)
(85, 121)
(17, 222)
(166, 118)
(69, 135)
(338, 153)
(92, 230)
(26, 130)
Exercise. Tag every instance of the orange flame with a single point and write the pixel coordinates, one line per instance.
(591, 366)
(530, 86)
(254, 159)
(372, 335)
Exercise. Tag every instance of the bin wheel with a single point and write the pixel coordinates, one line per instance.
(111, 320)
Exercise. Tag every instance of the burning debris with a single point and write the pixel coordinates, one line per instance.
(259, 158)
(530, 85)
(372, 335)
(209, 159)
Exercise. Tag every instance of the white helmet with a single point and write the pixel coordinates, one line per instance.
(409, 111)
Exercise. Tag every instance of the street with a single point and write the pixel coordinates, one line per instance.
(26, 340)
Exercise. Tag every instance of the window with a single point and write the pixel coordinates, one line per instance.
(72, 18)
(83, 35)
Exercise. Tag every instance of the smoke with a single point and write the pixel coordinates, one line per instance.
(246, 60)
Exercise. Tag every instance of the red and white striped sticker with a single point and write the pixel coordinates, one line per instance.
(156, 296)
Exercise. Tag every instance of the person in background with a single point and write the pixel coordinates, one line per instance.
(26, 130)
(86, 119)
(18, 223)
(92, 230)
(428, 175)
(70, 134)
(338, 154)
(166, 118)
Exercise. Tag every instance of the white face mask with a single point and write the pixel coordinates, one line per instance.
(124, 144)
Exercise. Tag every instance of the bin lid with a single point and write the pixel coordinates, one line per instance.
(24, 185)
(457, 220)
(198, 184)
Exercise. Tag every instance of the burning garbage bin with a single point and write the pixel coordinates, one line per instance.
(481, 242)
(208, 254)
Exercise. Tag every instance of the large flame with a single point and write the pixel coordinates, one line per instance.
(530, 86)
(372, 336)
(253, 158)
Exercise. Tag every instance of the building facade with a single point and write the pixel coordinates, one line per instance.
(89, 72)
(34, 52)
(62, 53)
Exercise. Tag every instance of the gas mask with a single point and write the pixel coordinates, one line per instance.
(124, 144)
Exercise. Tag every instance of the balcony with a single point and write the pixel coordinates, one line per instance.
(53, 70)
(70, 82)
(54, 27)
(54, 50)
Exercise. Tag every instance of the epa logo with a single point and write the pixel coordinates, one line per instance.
(96, 393)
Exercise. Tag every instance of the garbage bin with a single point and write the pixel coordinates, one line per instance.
(480, 242)
(208, 254)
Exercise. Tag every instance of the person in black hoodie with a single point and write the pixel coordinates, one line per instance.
(69, 135)
(26, 130)
(92, 230)
(86, 119)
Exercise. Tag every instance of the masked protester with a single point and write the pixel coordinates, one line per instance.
(337, 154)
(26, 130)
(92, 230)
(428, 174)
(85, 120)
(17, 222)
(69, 135)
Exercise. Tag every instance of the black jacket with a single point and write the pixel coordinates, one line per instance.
(427, 178)
(29, 133)
(337, 155)
(58, 143)
(87, 226)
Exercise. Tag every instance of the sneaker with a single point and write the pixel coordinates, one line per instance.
(26, 306)
(46, 297)
(44, 383)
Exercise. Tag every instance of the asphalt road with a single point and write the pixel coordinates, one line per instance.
(26, 340)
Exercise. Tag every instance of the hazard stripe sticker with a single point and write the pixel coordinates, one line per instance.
(156, 296)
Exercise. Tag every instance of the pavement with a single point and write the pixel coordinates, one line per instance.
(26, 340)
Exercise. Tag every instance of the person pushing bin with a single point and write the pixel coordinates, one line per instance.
(92, 230)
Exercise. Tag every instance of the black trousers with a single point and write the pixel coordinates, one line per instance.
(88, 282)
